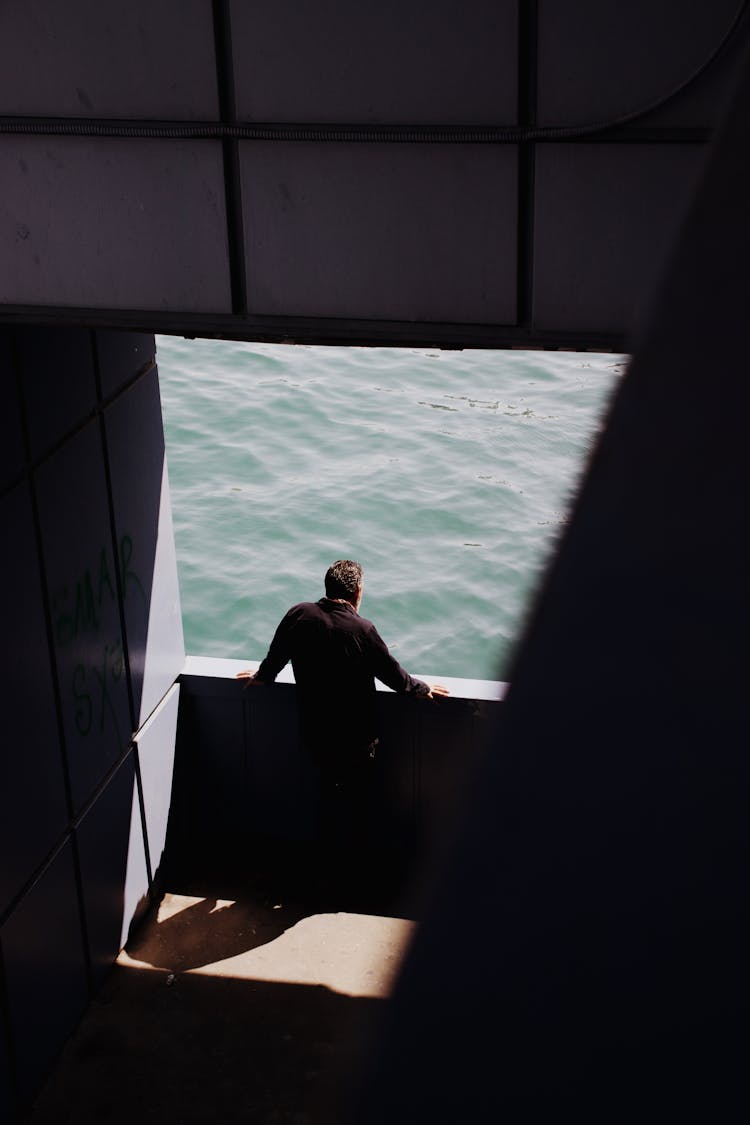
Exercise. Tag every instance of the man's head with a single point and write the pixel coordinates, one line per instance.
(344, 580)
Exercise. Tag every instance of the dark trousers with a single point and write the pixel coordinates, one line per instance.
(348, 804)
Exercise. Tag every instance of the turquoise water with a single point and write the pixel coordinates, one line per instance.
(448, 475)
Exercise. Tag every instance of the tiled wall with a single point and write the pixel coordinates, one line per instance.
(91, 647)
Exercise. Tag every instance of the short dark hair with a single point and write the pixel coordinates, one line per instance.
(343, 578)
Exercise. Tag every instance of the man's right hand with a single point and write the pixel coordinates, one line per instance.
(247, 677)
(436, 691)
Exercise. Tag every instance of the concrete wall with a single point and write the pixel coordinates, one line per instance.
(242, 775)
(92, 645)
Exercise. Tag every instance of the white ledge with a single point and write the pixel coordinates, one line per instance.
(224, 669)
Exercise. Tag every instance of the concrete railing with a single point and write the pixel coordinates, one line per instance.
(242, 774)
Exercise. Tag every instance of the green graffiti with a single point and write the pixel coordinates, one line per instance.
(84, 707)
(78, 611)
(85, 610)
(102, 677)
(92, 686)
(73, 616)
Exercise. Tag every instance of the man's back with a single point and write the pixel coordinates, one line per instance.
(336, 655)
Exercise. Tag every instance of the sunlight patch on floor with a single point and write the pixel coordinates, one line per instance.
(352, 954)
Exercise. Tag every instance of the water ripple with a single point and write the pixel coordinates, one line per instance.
(283, 458)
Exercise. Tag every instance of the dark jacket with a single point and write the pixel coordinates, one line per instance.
(336, 656)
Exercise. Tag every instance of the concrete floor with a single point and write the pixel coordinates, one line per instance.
(240, 1008)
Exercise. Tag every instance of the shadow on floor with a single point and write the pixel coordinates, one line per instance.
(209, 1049)
(184, 1031)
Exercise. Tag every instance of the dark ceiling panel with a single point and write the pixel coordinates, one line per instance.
(398, 61)
(132, 224)
(340, 172)
(423, 232)
(605, 217)
(598, 61)
(85, 58)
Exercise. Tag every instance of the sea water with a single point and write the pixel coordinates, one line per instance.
(448, 475)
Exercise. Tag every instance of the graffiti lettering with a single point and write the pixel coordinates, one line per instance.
(85, 610)
(79, 613)
(91, 689)
(83, 616)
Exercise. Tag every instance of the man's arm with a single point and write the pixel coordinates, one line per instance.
(388, 670)
(277, 656)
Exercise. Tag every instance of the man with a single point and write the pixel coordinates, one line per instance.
(337, 655)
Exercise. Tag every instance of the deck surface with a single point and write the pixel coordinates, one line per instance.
(240, 1008)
